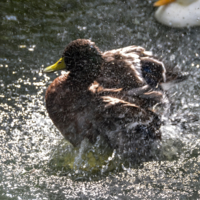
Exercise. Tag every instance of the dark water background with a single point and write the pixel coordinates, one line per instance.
(33, 35)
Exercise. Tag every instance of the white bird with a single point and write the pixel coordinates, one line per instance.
(178, 13)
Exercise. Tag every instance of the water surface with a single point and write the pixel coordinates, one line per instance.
(33, 35)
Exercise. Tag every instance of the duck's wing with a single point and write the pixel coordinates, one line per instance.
(135, 71)
(128, 127)
(153, 71)
(132, 95)
(124, 64)
(139, 67)
(136, 63)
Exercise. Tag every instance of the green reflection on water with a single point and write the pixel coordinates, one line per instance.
(88, 158)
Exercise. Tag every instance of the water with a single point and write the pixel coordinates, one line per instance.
(33, 162)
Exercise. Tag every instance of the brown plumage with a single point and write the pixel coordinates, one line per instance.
(107, 93)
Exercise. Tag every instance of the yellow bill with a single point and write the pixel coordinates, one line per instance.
(59, 65)
(163, 2)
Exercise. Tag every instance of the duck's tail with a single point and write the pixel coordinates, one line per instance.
(173, 78)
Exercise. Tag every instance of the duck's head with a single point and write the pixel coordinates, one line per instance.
(80, 56)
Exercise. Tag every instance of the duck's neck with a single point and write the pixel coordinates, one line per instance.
(80, 80)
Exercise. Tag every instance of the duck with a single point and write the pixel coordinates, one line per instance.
(178, 13)
(109, 94)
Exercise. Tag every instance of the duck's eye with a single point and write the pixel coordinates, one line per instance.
(59, 62)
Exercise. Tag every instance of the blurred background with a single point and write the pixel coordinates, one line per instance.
(35, 161)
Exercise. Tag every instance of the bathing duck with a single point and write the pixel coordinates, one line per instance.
(178, 13)
(109, 94)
